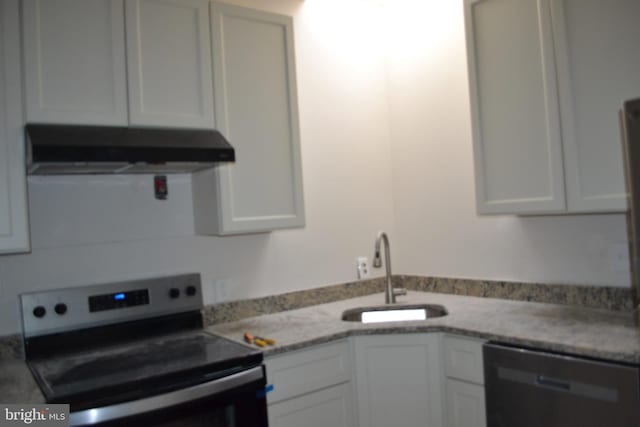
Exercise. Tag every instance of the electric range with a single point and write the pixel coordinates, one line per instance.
(136, 351)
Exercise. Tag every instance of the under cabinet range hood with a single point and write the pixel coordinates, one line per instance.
(70, 149)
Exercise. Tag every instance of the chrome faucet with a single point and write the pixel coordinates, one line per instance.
(390, 291)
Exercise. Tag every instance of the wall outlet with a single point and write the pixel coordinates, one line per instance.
(222, 289)
(618, 257)
(362, 264)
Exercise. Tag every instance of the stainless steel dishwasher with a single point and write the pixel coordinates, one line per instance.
(531, 388)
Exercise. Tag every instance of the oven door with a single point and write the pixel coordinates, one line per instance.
(234, 401)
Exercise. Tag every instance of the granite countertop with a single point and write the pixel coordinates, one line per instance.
(590, 332)
(17, 384)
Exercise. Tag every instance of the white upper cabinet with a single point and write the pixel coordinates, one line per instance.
(14, 229)
(169, 63)
(514, 104)
(547, 78)
(80, 69)
(256, 109)
(598, 57)
(74, 56)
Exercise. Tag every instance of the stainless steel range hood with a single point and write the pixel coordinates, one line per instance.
(68, 149)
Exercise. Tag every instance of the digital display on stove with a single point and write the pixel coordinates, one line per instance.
(118, 300)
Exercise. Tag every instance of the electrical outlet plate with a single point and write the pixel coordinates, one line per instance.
(362, 264)
(221, 287)
(618, 257)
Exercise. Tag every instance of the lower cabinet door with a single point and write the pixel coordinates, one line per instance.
(329, 407)
(465, 404)
(399, 380)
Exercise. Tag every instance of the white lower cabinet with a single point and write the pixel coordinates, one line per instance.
(464, 382)
(463, 359)
(328, 407)
(311, 387)
(465, 404)
(399, 380)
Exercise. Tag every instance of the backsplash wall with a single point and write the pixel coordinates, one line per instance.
(433, 179)
(385, 145)
(98, 229)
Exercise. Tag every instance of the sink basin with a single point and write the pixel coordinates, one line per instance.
(394, 313)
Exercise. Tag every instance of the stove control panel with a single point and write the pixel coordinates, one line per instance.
(118, 300)
(82, 307)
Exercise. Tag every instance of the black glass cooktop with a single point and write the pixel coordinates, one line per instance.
(138, 369)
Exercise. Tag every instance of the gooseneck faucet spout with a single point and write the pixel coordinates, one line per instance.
(390, 291)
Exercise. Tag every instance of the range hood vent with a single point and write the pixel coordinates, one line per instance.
(68, 149)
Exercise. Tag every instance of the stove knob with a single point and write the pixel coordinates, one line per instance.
(174, 293)
(191, 290)
(60, 308)
(39, 311)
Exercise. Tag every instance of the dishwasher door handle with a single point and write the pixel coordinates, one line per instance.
(553, 383)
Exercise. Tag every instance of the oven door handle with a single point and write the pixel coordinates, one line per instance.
(141, 406)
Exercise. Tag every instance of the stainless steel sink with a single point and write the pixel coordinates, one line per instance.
(394, 313)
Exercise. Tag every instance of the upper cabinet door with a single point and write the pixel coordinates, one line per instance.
(514, 106)
(257, 110)
(169, 63)
(14, 229)
(598, 56)
(74, 58)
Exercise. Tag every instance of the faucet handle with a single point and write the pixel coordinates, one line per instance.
(399, 291)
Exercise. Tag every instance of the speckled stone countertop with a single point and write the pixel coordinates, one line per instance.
(17, 384)
(590, 332)
(596, 333)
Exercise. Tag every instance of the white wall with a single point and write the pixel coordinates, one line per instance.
(433, 184)
(99, 229)
(364, 125)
